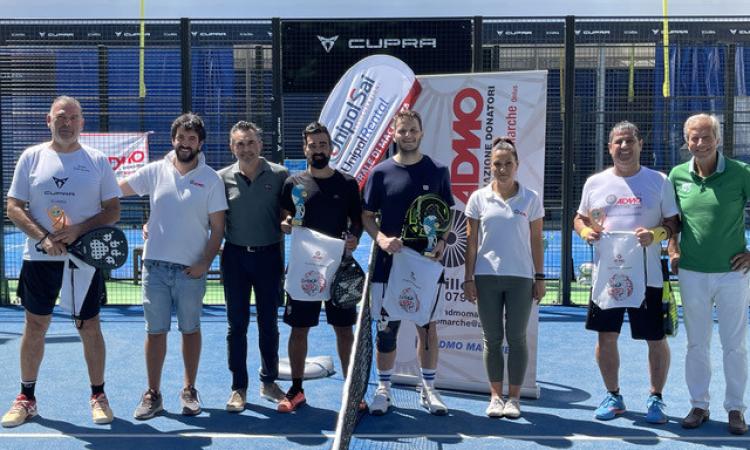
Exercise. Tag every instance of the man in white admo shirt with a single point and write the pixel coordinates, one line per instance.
(630, 198)
(185, 230)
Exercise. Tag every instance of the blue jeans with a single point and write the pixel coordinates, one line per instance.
(259, 269)
(166, 284)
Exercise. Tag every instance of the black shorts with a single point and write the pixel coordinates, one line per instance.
(307, 314)
(39, 286)
(646, 322)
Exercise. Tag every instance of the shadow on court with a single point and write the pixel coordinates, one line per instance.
(569, 380)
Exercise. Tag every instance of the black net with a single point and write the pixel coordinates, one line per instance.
(360, 364)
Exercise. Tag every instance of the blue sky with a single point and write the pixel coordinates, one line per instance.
(361, 8)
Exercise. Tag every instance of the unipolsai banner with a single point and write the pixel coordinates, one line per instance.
(359, 111)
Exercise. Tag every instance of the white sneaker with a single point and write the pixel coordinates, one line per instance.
(512, 409)
(495, 409)
(381, 402)
(431, 401)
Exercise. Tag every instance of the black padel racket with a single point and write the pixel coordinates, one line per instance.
(348, 282)
(427, 218)
(103, 248)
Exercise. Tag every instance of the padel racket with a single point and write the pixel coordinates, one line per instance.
(427, 218)
(103, 248)
(668, 304)
(347, 284)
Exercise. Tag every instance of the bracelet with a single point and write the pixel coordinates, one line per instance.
(585, 232)
(660, 233)
(38, 245)
(539, 276)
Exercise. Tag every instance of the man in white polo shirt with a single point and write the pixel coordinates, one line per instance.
(629, 198)
(185, 229)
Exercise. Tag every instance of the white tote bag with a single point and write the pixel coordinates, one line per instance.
(619, 280)
(75, 285)
(313, 261)
(413, 287)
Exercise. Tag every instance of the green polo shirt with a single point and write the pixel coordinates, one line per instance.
(713, 214)
(253, 216)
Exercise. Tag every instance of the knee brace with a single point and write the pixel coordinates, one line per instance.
(386, 339)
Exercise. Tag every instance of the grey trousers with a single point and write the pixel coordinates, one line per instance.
(510, 298)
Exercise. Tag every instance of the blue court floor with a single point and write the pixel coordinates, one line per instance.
(571, 389)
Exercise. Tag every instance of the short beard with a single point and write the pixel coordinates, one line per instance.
(186, 159)
(319, 163)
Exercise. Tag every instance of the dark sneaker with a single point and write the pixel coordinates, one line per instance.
(151, 405)
(291, 402)
(22, 410)
(189, 401)
(695, 418)
(271, 392)
(737, 423)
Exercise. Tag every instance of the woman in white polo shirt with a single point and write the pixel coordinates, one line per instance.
(504, 271)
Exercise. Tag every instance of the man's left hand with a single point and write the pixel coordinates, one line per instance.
(197, 270)
(67, 235)
(741, 261)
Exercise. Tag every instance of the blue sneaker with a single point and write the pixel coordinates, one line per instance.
(656, 409)
(611, 407)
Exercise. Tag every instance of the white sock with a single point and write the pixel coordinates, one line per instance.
(428, 377)
(384, 378)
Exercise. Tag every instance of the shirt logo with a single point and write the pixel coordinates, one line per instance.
(611, 199)
(197, 183)
(518, 212)
(425, 187)
(60, 182)
(686, 187)
(628, 201)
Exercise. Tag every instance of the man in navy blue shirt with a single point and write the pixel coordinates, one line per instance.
(391, 188)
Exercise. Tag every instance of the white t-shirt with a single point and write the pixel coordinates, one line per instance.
(505, 236)
(178, 227)
(77, 182)
(631, 202)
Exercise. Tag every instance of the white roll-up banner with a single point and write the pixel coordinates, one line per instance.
(461, 114)
(359, 111)
(126, 152)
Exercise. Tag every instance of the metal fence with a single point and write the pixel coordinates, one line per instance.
(278, 73)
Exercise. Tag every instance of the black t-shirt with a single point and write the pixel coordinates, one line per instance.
(332, 205)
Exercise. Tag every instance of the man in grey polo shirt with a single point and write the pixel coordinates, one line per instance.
(252, 260)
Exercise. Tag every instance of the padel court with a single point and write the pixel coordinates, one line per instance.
(562, 417)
